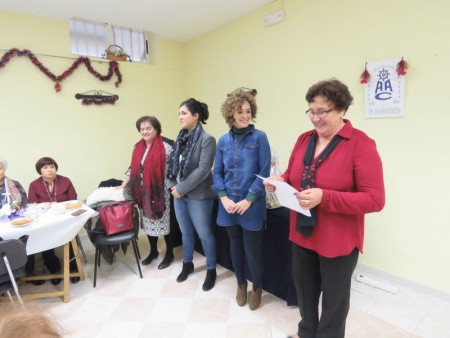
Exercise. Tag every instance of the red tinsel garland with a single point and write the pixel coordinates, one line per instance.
(113, 67)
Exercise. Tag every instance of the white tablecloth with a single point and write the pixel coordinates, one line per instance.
(49, 231)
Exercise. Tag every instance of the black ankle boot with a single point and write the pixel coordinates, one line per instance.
(168, 259)
(210, 279)
(188, 268)
(150, 258)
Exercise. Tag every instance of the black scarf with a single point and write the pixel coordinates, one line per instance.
(184, 146)
(304, 224)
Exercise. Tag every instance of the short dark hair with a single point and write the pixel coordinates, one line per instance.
(150, 119)
(42, 162)
(197, 107)
(333, 90)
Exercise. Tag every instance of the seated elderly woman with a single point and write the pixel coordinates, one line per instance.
(11, 192)
(50, 187)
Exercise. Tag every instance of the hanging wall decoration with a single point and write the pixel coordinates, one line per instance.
(384, 88)
(365, 76)
(113, 67)
(402, 66)
(96, 97)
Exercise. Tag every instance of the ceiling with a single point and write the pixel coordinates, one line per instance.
(177, 20)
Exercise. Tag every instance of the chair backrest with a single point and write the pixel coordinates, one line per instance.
(14, 252)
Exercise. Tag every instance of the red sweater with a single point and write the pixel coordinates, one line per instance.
(351, 179)
(63, 191)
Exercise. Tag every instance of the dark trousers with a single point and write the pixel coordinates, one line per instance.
(245, 243)
(51, 261)
(313, 275)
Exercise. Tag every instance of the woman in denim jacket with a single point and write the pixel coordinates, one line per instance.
(241, 153)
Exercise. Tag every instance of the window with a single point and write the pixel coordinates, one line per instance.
(92, 39)
(132, 41)
(88, 38)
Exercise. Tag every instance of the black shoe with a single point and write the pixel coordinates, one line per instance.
(74, 280)
(188, 268)
(168, 259)
(56, 281)
(210, 279)
(150, 258)
(37, 282)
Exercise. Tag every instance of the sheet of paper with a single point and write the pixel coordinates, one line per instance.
(285, 194)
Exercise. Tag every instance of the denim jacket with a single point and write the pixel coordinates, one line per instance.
(235, 166)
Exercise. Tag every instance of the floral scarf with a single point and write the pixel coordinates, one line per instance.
(11, 191)
(147, 179)
(182, 152)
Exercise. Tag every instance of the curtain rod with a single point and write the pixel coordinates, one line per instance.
(57, 56)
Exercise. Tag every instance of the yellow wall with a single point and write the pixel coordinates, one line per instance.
(318, 40)
(321, 39)
(90, 143)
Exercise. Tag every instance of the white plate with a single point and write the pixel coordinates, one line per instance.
(70, 202)
(22, 225)
(43, 207)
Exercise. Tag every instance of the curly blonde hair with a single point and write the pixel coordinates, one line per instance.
(234, 102)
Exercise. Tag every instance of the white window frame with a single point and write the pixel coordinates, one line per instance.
(92, 38)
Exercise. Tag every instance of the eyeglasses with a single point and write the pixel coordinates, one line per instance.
(320, 114)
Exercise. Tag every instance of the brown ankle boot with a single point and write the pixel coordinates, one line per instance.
(255, 299)
(241, 295)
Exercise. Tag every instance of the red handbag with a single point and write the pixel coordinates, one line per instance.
(116, 217)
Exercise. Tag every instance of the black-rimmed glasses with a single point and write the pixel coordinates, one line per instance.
(320, 114)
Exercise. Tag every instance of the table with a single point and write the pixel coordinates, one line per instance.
(277, 253)
(48, 232)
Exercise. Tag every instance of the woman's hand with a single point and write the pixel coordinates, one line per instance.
(174, 192)
(228, 204)
(309, 198)
(242, 206)
(270, 187)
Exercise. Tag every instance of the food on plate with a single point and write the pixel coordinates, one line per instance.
(21, 221)
(73, 205)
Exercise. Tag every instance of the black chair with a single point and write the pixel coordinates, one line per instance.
(13, 255)
(99, 239)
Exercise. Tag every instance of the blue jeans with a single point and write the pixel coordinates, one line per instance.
(195, 215)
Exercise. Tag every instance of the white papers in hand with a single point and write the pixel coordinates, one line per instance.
(285, 194)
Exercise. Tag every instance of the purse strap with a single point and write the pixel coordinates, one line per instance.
(114, 203)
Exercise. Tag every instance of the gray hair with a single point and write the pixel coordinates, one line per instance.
(5, 164)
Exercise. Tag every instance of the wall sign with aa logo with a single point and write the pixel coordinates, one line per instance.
(385, 90)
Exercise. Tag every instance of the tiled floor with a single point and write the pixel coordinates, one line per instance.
(123, 305)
